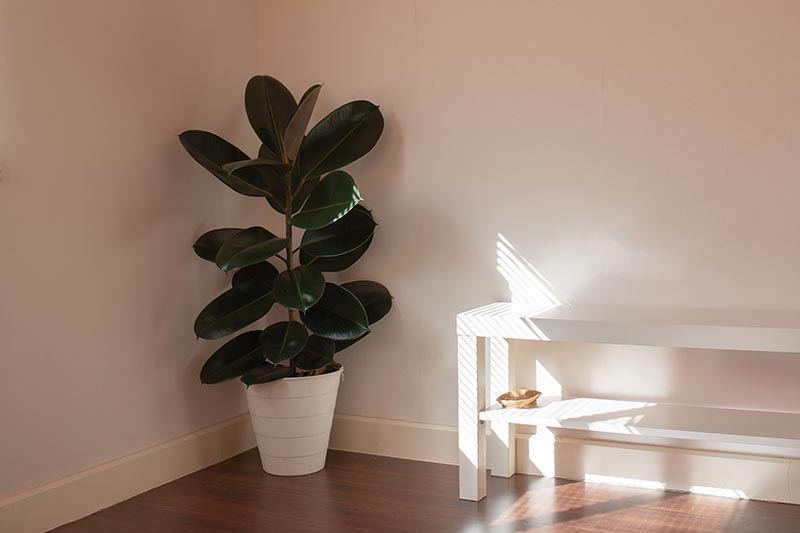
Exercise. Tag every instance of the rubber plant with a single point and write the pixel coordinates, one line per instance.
(298, 174)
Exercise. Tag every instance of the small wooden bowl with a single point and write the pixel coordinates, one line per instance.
(519, 399)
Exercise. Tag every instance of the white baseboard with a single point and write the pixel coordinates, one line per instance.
(739, 475)
(753, 476)
(86, 492)
(395, 438)
(718, 473)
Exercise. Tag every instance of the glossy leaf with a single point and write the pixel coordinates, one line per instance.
(296, 129)
(373, 296)
(212, 152)
(283, 340)
(232, 310)
(209, 243)
(279, 200)
(305, 191)
(265, 374)
(340, 138)
(262, 274)
(317, 353)
(270, 106)
(338, 315)
(335, 264)
(276, 168)
(232, 359)
(341, 345)
(343, 236)
(265, 153)
(248, 247)
(299, 288)
(274, 174)
(332, 199)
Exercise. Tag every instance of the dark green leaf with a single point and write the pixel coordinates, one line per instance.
(248, 247)
(279, 200)
(265, 374)
(299, 288)
(305, 191)
(296, 128)
(332, 199)
(274, 177)
(373, 296)
(346, 134)
(275, 184)
(266, 153)
(335, 264)
(269, 166)
(233, 358)
(270, 107)
(232, 310)
(317, 353)
(212, 152)
(341, 237)
(262, 274)
(210, 242)
(283, 340)
(341, 345)
(338, 315)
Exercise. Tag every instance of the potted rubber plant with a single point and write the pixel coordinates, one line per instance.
(289, 367)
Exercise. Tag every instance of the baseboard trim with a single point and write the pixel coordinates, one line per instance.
(719, 473)
(431, 443)
(753, 476)
(101, 486)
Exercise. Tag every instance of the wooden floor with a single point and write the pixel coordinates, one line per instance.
(378, 494)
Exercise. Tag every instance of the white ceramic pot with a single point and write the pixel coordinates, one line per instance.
(292, 420)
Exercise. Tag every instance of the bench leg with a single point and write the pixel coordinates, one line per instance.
(471, 431)
(542, 452)
(542, 445)
(502, 456)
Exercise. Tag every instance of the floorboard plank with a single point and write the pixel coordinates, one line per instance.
(364, 493)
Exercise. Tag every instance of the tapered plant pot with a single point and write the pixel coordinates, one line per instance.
(292, 420)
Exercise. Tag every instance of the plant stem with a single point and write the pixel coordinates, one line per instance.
(289, 251)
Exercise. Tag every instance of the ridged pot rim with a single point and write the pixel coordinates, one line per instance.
(297, 378)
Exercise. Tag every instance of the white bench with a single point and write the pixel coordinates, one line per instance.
(483, 336)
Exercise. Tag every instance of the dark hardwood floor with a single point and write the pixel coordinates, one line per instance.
(378, 494)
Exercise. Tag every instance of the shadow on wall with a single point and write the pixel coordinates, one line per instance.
(527, 285)
(544, 454)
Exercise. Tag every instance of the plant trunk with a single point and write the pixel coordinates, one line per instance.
(289, 252)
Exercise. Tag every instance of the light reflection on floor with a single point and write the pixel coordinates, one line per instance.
(592, 507)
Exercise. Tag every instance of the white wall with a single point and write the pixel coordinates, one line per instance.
(99, 206)
(636, 153)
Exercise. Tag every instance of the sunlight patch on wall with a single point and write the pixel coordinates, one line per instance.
(546, 383)
(527, 285)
